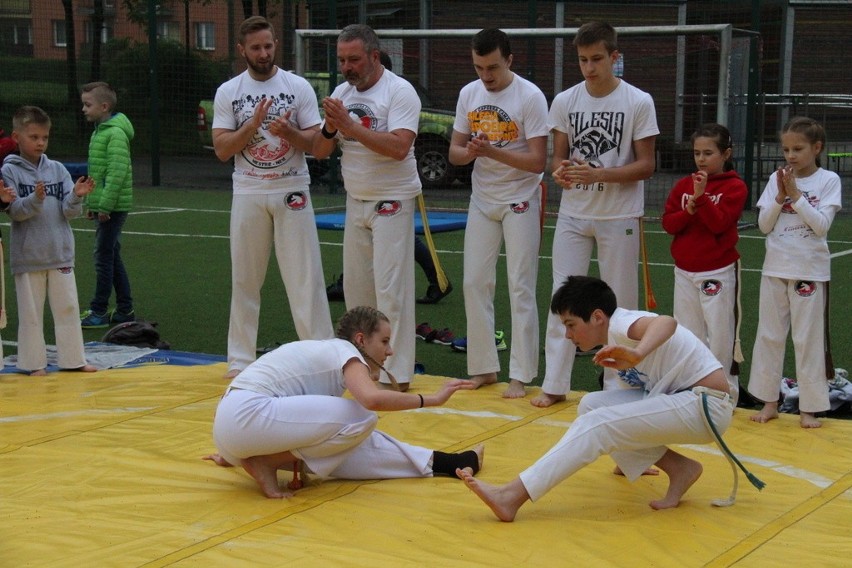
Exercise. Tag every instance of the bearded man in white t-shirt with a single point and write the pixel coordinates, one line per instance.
(374, 117)
(265, 119)
(501, 122)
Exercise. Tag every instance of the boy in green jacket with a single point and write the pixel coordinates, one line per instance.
(109, 203)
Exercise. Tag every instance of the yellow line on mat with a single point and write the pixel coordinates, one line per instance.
(508, 427)
(184, 553)
(341, 491)
(768, 531)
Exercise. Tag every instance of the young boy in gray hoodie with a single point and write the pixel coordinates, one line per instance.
(42, 245)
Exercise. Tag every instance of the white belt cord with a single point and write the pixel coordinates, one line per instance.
(703, 393)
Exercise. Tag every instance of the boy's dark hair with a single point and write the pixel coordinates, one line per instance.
(591, 33)
(721, 136)
(582, 295)
(251, 25)
(102, 92)
(27, 115)
(487, 40)
(385, 60)
(809, 128)
(363, 32)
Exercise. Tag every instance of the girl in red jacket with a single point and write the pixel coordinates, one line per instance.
(702, 213)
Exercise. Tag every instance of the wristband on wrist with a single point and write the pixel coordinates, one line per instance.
(326, 134)
(421, 400)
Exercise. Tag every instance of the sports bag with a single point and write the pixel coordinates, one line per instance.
(137, 333)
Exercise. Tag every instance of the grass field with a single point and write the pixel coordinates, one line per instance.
(176, 248)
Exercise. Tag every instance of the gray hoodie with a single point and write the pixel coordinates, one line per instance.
(41, 234)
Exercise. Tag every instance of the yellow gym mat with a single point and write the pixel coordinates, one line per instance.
(104, 469)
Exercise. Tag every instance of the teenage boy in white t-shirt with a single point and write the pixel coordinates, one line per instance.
(501, 122)
(604, 132)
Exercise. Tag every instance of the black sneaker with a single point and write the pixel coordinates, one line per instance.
(118, 317)
(434, 294)
(334, 291)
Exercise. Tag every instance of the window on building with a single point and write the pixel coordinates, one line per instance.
(168, 30)
(59, 33)
(205, 36)
(89, 29)
(22, 34)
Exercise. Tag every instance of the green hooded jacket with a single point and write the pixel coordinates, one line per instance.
(110, 166)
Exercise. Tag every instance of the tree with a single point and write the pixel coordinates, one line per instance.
(97, 30)
(71, 63)
(247, 8)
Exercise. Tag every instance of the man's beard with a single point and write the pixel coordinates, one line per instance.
(261, 68)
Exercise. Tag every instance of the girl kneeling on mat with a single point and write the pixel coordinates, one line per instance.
(288, 406)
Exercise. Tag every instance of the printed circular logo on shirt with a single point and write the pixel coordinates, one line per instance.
(787, 206)
(494, 122)
(265, 150)
(805, 288)
(363, 114)
(521, 207)
(296, 200)
(711, 287)
(388, 208)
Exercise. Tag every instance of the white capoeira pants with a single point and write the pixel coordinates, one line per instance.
(488, 226)
(336, 437)
(632, 428)
(800, 304)
(285, 220)
(618, 263)
(378, 271)
(60, 288)
(704, 303)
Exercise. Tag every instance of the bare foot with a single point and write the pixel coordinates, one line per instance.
(543, 400)
(479, 450)
(808, 420)
(38, 373)
(231, 374)
(767, 413)
(265, 473)
(649, 471)
(484, 379)
(683, 473)
(516, 389)
(218, 460)
(84, 369)
(504, 501)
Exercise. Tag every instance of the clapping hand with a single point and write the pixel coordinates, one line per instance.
(7, 194)
(84, 186)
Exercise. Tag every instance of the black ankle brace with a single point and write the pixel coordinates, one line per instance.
(446, 464)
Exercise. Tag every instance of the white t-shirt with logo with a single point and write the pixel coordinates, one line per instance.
(793, 248)
(307, 367)
(268, 164)
(391, 104)
(509, 117)
(680, 362)
(601, 131)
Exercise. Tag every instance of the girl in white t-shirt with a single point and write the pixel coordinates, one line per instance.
(288, 407)
(796, 211)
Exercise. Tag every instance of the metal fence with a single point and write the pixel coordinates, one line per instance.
(701, 60)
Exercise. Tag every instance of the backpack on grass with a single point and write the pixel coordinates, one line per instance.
(137, 333)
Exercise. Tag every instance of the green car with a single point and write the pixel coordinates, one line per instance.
(431, 149)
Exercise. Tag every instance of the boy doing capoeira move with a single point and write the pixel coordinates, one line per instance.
(671, 369)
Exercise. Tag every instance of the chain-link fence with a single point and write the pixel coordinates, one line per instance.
(783, 58)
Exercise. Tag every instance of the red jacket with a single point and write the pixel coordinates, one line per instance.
(707, 240)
